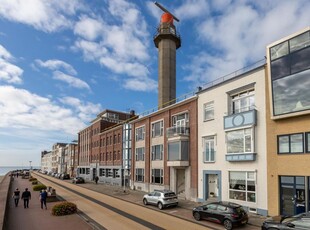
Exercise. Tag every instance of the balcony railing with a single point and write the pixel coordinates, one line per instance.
(177, 131)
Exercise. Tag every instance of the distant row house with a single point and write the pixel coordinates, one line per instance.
(243, 138)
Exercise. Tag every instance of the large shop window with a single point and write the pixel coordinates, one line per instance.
(209, 149)
(242, 186)
(291, 143)
(139, 175)
(157, 176)
(240, 141)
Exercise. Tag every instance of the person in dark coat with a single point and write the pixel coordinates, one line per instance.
(43, 196)
(16, 194)
(26, 196)
(96, 179)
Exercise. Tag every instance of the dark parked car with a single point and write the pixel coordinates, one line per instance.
(300, 222)
(65, 176)
(226, 213)
(78, 180)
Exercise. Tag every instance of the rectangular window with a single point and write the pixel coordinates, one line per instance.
(157, 129)
(308, 142)
(110, 172)
(242, 186)
(240, 141)
(243, 101)
(209, 149)
(157, 152)
(180, 120)
(139, 175)
(291, 143)
(208, 110)
(140, 134)
(140, 154)
(157, 176)
(102, 172)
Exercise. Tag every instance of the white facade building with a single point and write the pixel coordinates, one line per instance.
(232, 141)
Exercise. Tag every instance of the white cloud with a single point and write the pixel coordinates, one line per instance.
(72, 81)
(238, 33)
(9, 72)
(191, 9)
(48, 16)
(132, 69)
(91, 50)
(21, 109)
(56, 65)
(84, 110)
(145, 85)
(119, 43)
(88, 28)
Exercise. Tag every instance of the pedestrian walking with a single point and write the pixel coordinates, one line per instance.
(43, 196)
(26, 196)
(17, 175)
(96, 179)
(16, 194)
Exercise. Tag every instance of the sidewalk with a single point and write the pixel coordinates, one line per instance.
(34, 217)
(135, 196)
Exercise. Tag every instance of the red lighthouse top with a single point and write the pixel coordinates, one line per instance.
(166, 18)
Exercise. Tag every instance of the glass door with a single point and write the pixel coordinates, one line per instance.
(292, 195)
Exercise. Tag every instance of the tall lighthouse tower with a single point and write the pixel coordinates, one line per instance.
(167, 41)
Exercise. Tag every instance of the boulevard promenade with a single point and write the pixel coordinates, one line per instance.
(32, 218)
(36, 218)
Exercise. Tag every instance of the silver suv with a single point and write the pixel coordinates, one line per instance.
(161, 198)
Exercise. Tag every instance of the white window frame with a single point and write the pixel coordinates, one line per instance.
(161, 128)
(252, 139)
(139, 173)
(207, 141)
(208, 108)
(246, 191)
(155, 155)
(140, 155)
(247, 96)
(140, 133)
(161, 175)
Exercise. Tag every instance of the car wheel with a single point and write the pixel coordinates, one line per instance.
(227, 224)
(145, 202)
(160, 205)
(197, 216)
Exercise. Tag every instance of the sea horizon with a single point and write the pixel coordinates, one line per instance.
(5, 169)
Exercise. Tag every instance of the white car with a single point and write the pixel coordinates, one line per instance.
(161, 198)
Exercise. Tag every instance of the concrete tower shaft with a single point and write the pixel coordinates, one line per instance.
(167, 41)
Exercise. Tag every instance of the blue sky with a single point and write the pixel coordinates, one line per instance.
(62, 62)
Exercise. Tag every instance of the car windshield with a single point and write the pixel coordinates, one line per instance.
(170, 194)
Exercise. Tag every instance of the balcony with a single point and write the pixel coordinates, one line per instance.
(240, 119)
(241, 157)
(177, 131)
(178, 154)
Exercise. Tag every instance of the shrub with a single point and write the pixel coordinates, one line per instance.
(64, 208)
(39, 187)
(34, 182)
(32, 179)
